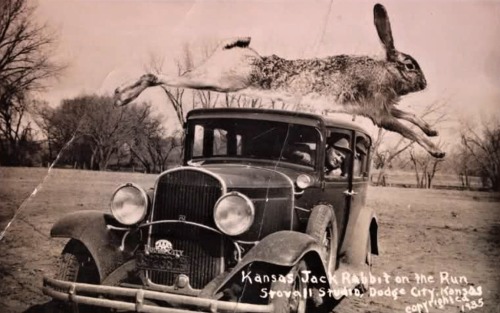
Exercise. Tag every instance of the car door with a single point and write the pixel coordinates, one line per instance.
(337, 182)
(360, 170)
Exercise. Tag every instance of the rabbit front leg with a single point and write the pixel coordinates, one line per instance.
(412, 118)
(392, 124)
(129, 91)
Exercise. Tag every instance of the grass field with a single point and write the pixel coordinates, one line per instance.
(420, 231)
(441, 180)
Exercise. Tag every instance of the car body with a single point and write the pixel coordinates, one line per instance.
(252, 201)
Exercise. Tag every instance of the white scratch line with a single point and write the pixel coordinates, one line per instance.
(39, 187)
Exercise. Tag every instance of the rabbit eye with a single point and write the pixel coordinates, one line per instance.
(409, 66)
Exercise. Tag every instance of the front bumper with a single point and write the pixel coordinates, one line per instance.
(137, 299)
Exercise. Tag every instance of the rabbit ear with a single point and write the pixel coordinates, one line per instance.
(384, 30)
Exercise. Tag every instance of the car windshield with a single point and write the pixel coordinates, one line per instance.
(254, 139)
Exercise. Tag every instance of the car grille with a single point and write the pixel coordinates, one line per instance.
(188, 195)
(203, 250)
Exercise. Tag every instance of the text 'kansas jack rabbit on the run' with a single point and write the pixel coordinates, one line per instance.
(350, 84)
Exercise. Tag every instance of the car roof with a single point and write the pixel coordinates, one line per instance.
(279, 115)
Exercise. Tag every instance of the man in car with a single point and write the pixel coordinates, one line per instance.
(298, 153)
(336, 156)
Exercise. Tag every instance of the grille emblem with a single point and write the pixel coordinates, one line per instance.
(164, 246)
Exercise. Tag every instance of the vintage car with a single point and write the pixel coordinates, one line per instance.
(266, 211)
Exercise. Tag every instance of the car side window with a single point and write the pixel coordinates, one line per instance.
(337, 154)
(361, 151)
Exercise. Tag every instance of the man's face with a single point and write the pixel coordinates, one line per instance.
(335, 157)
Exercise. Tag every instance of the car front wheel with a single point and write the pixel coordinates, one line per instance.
(288, 296)
(76, 265)
(322, 225)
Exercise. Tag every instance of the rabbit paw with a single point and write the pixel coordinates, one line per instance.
(432, 133)
(438, 154)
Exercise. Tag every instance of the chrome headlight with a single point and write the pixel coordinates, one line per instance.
(304, 181)
(234, 213)
(129, 204)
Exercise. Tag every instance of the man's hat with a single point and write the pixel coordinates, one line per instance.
(342, 144)
(361, 148)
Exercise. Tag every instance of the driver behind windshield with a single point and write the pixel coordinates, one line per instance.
(298, 153)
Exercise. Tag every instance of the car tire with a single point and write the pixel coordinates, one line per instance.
(369, 257)
(322, 225)
(295, 302)
(369, 261)
(76, 265)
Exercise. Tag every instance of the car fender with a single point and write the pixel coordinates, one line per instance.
(90, 228)
(353, 249)
(283, 248)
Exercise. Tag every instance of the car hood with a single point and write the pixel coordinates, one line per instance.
(247, 176)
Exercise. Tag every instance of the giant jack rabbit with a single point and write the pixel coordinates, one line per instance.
(358, 85)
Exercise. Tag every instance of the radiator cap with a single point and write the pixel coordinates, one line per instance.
(182, 281)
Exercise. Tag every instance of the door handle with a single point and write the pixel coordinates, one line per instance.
(350, 193)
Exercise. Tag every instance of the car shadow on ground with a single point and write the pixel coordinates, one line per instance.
(48, 307)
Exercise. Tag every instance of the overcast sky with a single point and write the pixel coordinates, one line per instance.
(108, 42)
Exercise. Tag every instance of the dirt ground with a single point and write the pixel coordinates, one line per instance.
(427, 232)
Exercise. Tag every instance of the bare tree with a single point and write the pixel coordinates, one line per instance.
(25, 66)
(167, 147)
(207, 99)
(484, 149)
(59, 124)
(42, 115)
(463, 163)
(176, 98)
(425, 167)
(383, 158)
(152, 148)
(174, 95)
(99, 129)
